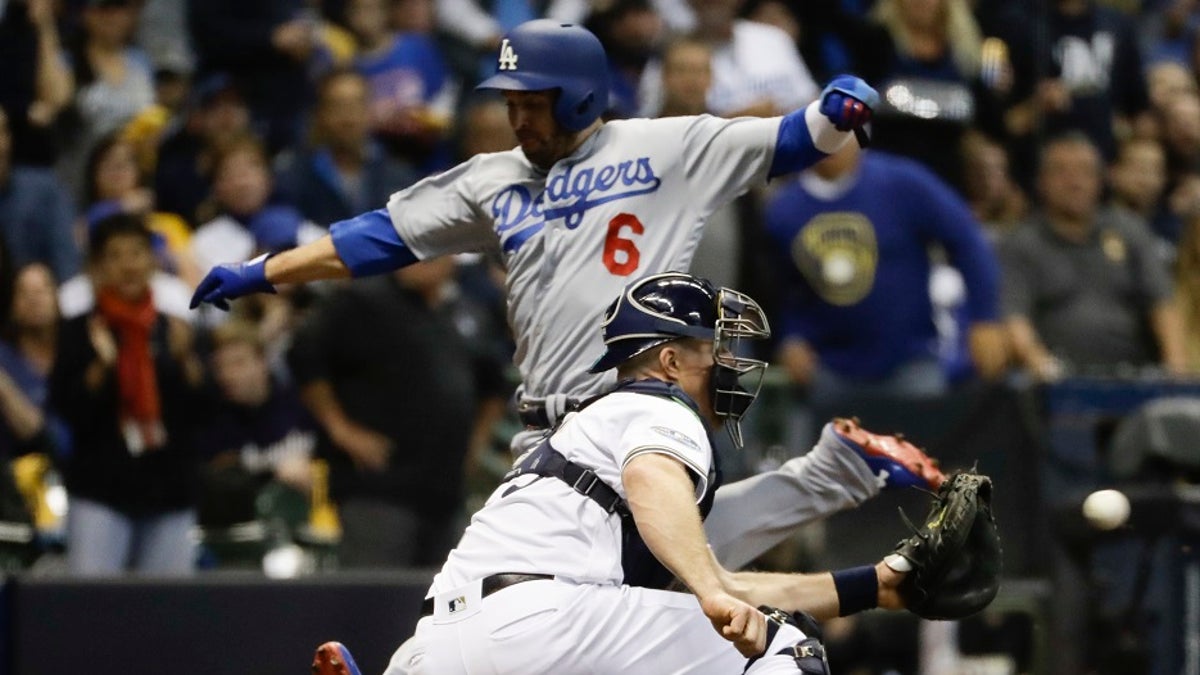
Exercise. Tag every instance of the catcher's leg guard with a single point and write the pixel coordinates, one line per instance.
(793, 645)
(895, 461)
(332, 658)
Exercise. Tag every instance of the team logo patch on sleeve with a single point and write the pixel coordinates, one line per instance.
(678, 437)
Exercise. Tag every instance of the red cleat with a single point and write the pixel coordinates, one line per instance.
(895, 461)
(332, 658)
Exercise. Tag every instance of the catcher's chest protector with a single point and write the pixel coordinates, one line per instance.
(639, 564)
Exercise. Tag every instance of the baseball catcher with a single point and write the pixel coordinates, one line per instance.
(952, 561)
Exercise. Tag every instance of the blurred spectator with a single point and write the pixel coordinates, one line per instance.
(1181, 139)
(397, 468)
(774, 13)
(35, 82)
(412, 95)
(1138, 178)
(856, 317)
(114, 185)
(216, 116)
(833, 37)
(1087, 75)
(1084, 287)
(1194, 60)
(148, 129)
(127, 384)
(344, 172)
(1166, 28)
(162, 33)
(732, 243)
(114, 79)
(259, 431)
(1187, 291)
(995, 199)
(1167, 80)
(485, 128)
(1184, 200)
(267, 45)
(929, 81)
(26, 358)
(1181, 133)
(246, 221)
(35, 213)
(686, 77)
(6, 281)
(474, 27)
(756, 68)
(631, 31)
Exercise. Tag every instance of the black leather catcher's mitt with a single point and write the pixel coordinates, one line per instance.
(953, 559)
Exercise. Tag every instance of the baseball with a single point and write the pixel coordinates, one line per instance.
(1106, 509)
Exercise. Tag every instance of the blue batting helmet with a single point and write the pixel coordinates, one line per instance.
(674, 305)
(545, 54)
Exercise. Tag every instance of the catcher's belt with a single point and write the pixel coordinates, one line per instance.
(491, 584)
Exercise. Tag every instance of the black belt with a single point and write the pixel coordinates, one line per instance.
(491, 584)
(535, 416)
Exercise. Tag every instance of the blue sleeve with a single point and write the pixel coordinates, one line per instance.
(368, 244)
(951, 223)
(794, 147)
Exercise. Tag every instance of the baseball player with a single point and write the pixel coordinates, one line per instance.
(535, 584)
(582, 207)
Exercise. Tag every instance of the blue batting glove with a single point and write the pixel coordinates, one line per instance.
(233, 280)
(848, 102)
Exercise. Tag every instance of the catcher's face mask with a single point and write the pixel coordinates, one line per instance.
(675, 305)
(736, 379)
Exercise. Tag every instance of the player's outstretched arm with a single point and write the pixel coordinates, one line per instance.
(310, 262)
(823, 595)
(363, 245)
(808, 135)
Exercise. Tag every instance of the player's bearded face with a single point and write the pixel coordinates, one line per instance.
(531, 115)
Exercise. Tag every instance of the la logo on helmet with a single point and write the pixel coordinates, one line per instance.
(508, 58)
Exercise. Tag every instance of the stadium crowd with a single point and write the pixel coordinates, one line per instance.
(1029, 205)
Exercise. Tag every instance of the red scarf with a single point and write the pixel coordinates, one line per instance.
(137, 383)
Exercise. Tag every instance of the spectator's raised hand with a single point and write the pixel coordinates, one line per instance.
(41, 13)
(799, 361)
(103, 342)
(296, 38)
(368, 448)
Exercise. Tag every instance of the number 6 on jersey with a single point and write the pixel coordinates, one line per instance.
(614, 243)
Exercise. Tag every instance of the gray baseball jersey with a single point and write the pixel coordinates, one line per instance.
(630, 202)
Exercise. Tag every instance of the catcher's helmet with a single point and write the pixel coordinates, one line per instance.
(674, 305)
(545, 54)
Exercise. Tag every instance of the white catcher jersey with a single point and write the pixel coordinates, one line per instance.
(630, 202)
(541, 525)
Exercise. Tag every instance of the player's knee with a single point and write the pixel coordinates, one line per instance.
(793, 645)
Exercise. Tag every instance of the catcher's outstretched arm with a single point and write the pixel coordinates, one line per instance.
(816, 594)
